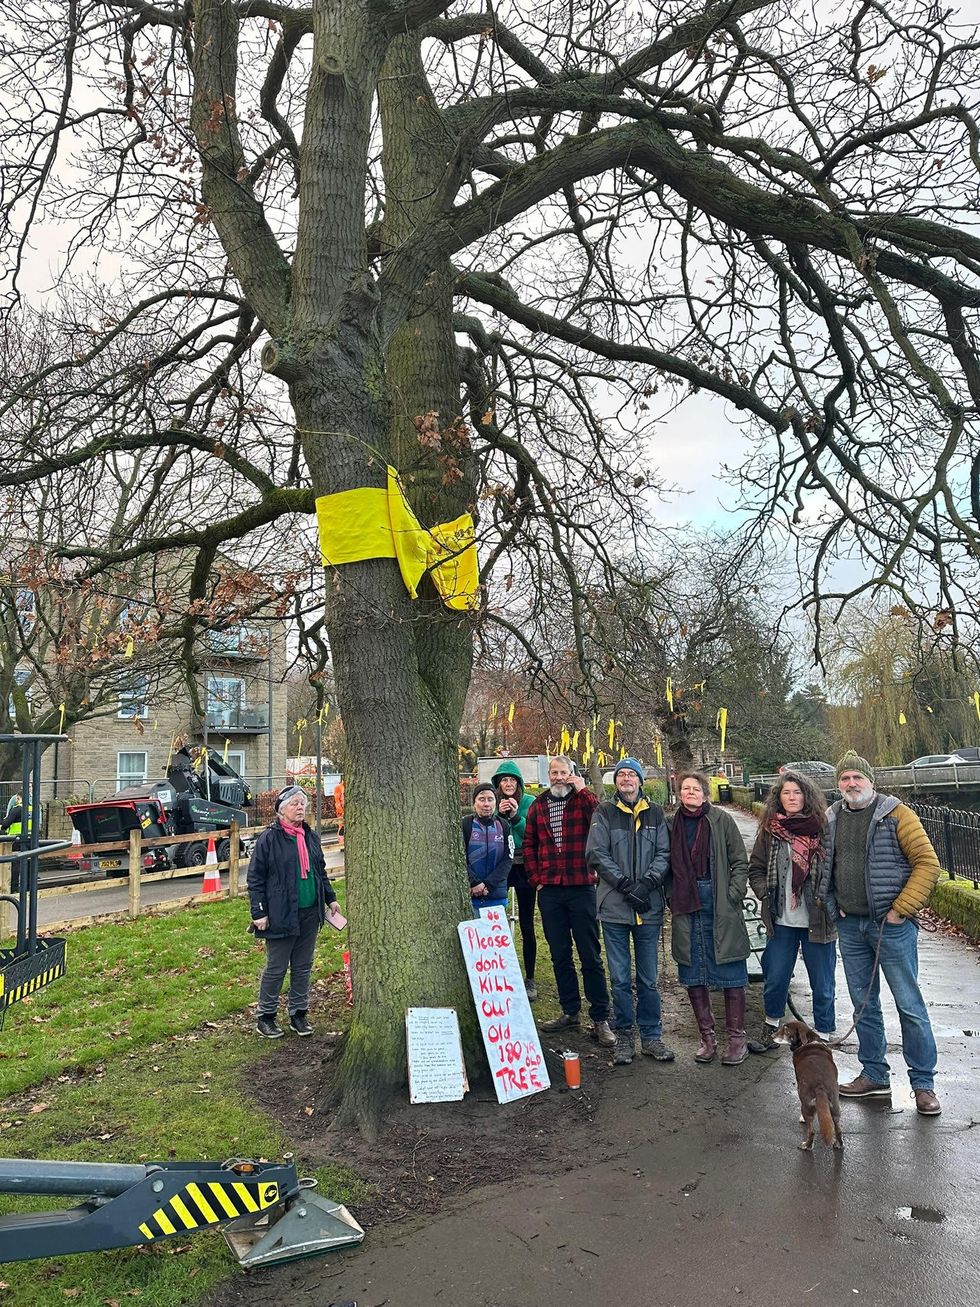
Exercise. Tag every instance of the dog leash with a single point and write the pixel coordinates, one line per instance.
(836, 1043)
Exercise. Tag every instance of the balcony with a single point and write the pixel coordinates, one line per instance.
(236, 645)
(242, 719)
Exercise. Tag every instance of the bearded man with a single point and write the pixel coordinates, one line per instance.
(880, 870)
(555, 836)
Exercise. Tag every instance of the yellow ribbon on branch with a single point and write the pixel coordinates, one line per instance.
(378, 522)
(976, 702)
(669, 696)
(902, 719)
(510, 713)
(660, 752)
(722, 725)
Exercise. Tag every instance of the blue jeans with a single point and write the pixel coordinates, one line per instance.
(616, 936)
(778, 962)
(478, 904)
(899, 963)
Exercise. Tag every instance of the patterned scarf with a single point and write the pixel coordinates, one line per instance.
(689, 862)
(802, 833)
(299, 835)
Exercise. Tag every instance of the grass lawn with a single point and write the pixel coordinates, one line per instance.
(114, 1063)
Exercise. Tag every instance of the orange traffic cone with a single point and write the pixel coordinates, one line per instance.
(212, 877)
(75, 852)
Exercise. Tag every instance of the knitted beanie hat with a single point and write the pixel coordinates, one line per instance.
(852, 761)
(631, 763)
(288, 793)
(483, 787)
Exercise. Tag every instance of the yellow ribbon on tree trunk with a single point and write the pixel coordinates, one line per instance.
(378, 522)
(722, 724)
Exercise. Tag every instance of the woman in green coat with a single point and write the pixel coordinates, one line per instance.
(512, 805)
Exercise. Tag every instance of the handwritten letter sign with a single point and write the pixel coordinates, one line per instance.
(511, 1039)
(435, 1055)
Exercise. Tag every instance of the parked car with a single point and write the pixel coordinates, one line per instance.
(809, 768)
(936, 760)
(969, 753)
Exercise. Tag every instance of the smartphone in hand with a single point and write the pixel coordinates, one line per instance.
(335, 917)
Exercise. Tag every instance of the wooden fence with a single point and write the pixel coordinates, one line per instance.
(135, 848)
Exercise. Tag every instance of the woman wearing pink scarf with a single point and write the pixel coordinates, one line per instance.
(783, 873)
(288, 895)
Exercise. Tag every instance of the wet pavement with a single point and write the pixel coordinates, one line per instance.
(689, 1190)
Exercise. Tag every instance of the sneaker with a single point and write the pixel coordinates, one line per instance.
(266, 1026)
(623, 1052)
(299, 1024)
(567, 1021)
(926, 1102)
(530, 989)
(602, 1031)
(765, 1042)
(657, 1049)
(862, 1087)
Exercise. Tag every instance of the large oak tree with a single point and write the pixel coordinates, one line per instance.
(554, 222)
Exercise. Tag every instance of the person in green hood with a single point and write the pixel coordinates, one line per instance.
(512, 805)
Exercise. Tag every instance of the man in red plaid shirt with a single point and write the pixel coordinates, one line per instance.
(555, 836)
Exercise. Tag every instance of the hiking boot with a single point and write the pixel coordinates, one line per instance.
(623, 1053)
(266, 1026)
(657, 1049)
(862, 1087)
(765, 1042)
(299, 1024)
(601, 1031)
(567, 1021)
(926, 1102)
(531, 989)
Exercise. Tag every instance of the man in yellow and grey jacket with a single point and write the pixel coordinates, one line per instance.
(880, 870)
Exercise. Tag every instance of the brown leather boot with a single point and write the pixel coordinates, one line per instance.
(701, 1003)
(738, 1049)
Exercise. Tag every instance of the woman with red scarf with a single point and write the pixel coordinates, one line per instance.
(708, 938)
(288, 895)
(783, 873)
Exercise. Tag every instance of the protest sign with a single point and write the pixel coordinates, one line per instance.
(509, 1033)
(436, 1073)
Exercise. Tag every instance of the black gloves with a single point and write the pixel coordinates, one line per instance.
(636, 893)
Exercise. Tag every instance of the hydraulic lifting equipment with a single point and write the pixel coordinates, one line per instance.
(267, 1213)
(32, 962)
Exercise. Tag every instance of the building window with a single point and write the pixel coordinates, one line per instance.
(130, 769)
(226, 698)
(133, 700)
(236, 759)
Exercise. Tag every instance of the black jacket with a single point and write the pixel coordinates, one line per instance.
(271, 881)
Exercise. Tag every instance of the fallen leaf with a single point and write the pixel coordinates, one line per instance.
(39, 1107)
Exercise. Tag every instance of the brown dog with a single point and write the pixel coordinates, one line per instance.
(816, 1082)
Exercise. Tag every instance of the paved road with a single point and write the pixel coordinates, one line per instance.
(691, 1192)
(87, 902)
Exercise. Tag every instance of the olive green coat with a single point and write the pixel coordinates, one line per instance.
(729, 876)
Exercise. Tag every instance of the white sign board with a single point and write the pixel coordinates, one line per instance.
(436, 1073)
(509, 1033)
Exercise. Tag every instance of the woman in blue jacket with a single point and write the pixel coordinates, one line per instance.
(487, 841)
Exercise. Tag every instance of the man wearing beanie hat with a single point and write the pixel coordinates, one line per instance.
(288, 895)
(629, 849)
(880, 870)
(489, 850)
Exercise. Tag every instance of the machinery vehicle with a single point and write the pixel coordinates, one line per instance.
(201, 793)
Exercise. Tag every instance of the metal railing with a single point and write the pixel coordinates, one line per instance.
(955, 835)
(932, 776)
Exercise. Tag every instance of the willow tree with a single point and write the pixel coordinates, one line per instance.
(494, 247)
